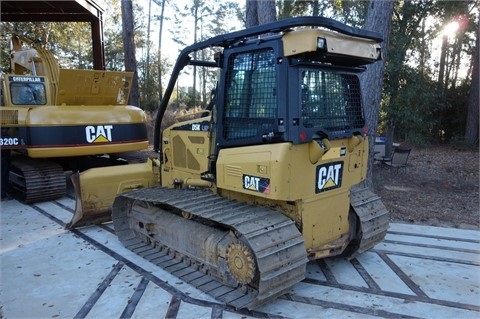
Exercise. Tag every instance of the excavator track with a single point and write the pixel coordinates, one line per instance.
(37, 180)
(373, 217)
(258, 254)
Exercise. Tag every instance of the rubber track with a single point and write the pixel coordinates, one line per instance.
(373, 215)
(276, 242)
(38, 180)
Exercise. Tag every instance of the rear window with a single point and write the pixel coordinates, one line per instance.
(330, 101)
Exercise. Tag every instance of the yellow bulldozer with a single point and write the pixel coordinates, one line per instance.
(266, 178)
(63, 120)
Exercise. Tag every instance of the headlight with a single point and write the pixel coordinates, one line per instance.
(321, 43)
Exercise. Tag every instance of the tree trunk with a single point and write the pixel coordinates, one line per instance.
(160, 87)
(260, 12)
(471, 130)
(147, 67)
(389, 136)
(441, 70)
(379, 18)
(129, 49)
(266, 11)
(251, 13)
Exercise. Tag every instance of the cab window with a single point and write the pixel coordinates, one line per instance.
(27, 93)
(251, 99)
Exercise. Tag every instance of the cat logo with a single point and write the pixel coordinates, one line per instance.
(256, 184)
(99, 133)
(329, 176)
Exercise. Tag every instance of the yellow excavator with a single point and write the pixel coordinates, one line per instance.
(63, 119)
(266, 178)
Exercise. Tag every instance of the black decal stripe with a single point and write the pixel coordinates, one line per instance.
(80, 145)
(76, 135)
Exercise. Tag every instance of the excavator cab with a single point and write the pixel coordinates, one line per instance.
(64, 120)
(27, 90)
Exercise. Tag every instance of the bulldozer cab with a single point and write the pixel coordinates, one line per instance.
(299, 86)
(269, 98)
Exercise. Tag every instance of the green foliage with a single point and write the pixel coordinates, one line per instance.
(415, 109)
(453, 117)
(422, 115)
(292, 8)
(353, 13)
(410, 97)
(149, 86)
(424, 108)
(70, 42)
(185, 96)
(114, 56)
(207, 19)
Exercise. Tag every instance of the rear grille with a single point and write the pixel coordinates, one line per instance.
(8, 117)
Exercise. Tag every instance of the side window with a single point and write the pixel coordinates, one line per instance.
(28, 93)
(251, 97)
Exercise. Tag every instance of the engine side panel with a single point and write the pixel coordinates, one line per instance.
(315, 195)
(186, 151)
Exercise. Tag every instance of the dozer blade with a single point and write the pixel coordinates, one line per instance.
(96, 189)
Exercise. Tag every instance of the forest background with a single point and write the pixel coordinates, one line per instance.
(430, 88)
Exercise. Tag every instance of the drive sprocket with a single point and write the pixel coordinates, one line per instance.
(241, 262)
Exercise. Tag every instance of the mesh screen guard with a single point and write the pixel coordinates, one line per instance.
(330, 101)
(251, 101)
